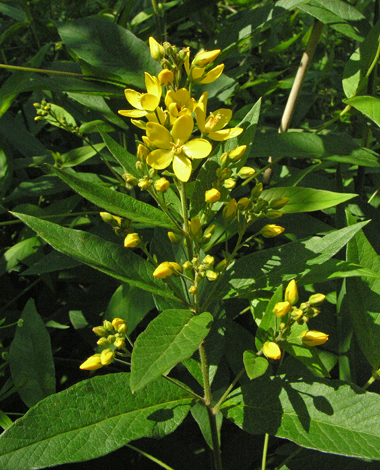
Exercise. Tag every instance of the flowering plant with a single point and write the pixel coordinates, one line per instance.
(224, 321)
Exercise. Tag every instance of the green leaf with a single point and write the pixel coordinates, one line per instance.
(254, 366)
(90, 419)
(115, 202)
(25, 252)
(335, 147)
(327, 415)
(301, 260)
(368, 105)
(109, 48)
(76, 156)
(171, 337)
(364, 299)
(200, 415)
(5, 420)
(305, 199)
(60, 114)
(31, 358)
(121, 155)
(100, 254)
(267, 324)
(130, 304)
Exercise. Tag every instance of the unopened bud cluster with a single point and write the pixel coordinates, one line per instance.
(112, 339)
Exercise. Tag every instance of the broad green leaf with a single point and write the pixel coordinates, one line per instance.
(76, 156)
(26, 252)
(31, 358)
(17, 13)
(130, 304)
(360, 61)
(335, 147)
(115, 202)
(5, 420)
(90, 419)
(45, 185)
(368, 105)
(337, 14)
(267, 324)
(59, 114)
(121, 155)
(110, 48)
(95, 126)
(171, 337)
(53, 261)
(100, 254)
(328, 415)
(305, 199)
(296, 260)
(255, 366)
(200, 415)
(364, 299)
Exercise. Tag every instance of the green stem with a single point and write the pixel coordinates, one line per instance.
(150, 457)
(158, 20)
(182, 193)
(229, 389)
(215, 439)
(265, 452)
(6, 306)
(205, 374)
(375, 376)
(178, 384)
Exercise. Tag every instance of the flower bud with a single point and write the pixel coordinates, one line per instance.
(279, 203)
(313, 338)
(205, 58)
(92, 363)
(143, 184)
(111, 338)
(174, 238)
(187, 265)
(224, 159)
(165, 77)
(212, 275)
(163, 271)
(271, 350)
(229, 183)
(273, 214)
(152, 172)
(120, 325)
(177, 268)
(162, 185)
(132, 240)
(108, 325)
(237, 153)
(142, 152)
(291, 293)
(139, 167)
(119, 343)
(296, 314)
(229, 211)
(223, 173)
(208, 261)
(316, 299)
(281, 309)
(107, 218)
(193, 290)
(246, 172)
(195, 226)
(221, 266)
(212, 195)
(107, 356)
(271, 230)
(243, 204)
(156, 50)
(100, 331)
(103, 342)
(130, 179)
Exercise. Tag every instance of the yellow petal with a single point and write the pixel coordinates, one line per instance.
(197, 148)
(182, 129)
(138, 123)
(132, 113)
(153, 86)
(159, 158)
(158, 135)
(182, 167)
(92, 363)
(149, 102)
(218, 119)
(197, 73)
(213, 74)
(225, 134)
(133, 97)
(205, 57)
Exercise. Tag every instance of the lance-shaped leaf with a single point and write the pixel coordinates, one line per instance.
(100, 254)
(364, 299)
(91, 419)
(170, 338)
(330, 416)
(368, 105)
(306, 260)
(117, 203)
(305, 199)
(121, 155)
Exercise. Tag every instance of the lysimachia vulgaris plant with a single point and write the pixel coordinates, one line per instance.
(185, 210)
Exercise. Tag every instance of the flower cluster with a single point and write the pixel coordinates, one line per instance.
(112, 341)
(289, 314)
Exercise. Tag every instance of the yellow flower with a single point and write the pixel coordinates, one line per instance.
(215, 123)
(229, 183)
(162, 185)
(204, 58)
(316, 299)
(180, 102)
(156, 50)
(272, 350)
(281, 309)
(199, 75)
(212, 195)
(92, 363)
(195, 225)
(271, 230)
(314, 338)
(212, 275)
(237, 153)
(120, 325)
(176, 147)
(143, 102)
(165, 77)
(246, 172)
(291, 292)
(131, 240)
(208, 261)
(166, 269)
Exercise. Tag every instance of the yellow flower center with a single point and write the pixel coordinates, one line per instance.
(176, 148)
(212, 121)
